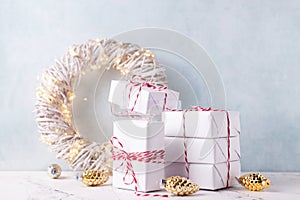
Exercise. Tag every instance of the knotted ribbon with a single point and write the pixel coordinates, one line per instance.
(155, 156)
(140, 86)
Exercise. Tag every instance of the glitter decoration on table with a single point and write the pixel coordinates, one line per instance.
(94, 177)
(54, 171)
(254, 181)
(180, 186)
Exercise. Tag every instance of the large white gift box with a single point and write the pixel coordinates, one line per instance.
(148, 101)
(207, 176)
(201, 124)
(139, 136)
(211, 143)
(200, 150)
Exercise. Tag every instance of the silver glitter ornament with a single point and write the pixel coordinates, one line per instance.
(54, 171)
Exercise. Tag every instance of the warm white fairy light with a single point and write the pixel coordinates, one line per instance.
(55, 95)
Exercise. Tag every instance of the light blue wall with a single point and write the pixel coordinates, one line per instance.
(255, 44)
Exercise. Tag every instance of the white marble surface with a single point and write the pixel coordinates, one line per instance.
(37, 185)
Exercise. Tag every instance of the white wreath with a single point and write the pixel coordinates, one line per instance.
(56, 92)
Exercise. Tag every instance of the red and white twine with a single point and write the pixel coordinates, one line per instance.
(147, 84)
(187, 168)
(199, 108)
(156, 156)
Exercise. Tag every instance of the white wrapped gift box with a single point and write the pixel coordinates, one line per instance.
(207, 176)
(200, 150)
(201, 124)
(139, 136)
(118, 93)
(149, 101)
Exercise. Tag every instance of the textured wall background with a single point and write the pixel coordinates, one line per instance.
(255, 45)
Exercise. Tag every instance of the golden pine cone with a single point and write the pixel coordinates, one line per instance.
(254, 181)
(180, 186)
(94, 177)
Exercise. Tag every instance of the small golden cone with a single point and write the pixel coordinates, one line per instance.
(180, 186)
(94, 177)
(254, 181)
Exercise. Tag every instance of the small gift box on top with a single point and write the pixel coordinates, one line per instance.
(138, 154)
(143, 98)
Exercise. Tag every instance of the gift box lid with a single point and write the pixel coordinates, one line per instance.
(201, 124)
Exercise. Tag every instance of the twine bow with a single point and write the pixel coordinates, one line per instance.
(156, 156)
(147, 84)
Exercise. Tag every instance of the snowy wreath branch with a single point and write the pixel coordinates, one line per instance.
(56, 92)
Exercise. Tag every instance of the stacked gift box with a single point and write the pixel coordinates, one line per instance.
(141, 136)
(212, 146)
(200, 144)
